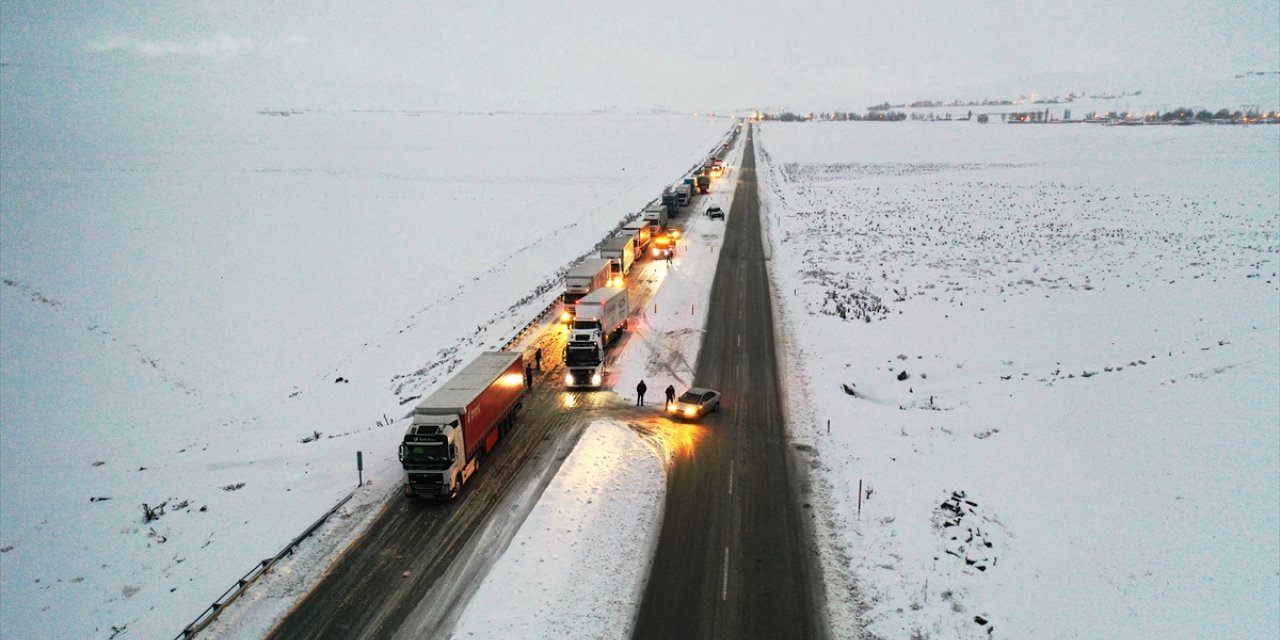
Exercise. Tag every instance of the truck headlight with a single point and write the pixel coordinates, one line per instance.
(568, 378)
(596, 379)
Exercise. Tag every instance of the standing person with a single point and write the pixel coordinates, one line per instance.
(537, 356)
(671, 395)
(640, 389)
(528, 375)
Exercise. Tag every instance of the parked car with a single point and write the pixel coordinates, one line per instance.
(695, 403)
(715, 212)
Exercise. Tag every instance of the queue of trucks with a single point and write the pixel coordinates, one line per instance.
(453, 428)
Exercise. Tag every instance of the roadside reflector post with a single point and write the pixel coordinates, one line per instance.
(859, 497)
(360, 467)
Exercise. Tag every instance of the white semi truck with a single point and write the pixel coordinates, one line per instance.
(589, 275)
(459, 423)
(598, 319)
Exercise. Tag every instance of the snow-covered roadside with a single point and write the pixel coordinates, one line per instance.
(576, 568)
(1050, 357)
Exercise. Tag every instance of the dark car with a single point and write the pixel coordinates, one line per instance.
(695, 403)
(715, 212)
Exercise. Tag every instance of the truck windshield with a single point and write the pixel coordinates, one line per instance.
(424, 453)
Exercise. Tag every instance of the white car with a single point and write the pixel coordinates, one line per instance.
(695, 403)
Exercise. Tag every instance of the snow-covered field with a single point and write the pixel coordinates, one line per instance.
(214, 312)
(1085, 443)
(1050, 357)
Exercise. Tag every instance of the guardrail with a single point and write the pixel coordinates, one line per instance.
(529, 326)
(235, 591)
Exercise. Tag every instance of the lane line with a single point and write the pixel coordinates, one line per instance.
(731, 463)
(724, 584)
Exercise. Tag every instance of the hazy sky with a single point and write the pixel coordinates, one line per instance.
(695, 56)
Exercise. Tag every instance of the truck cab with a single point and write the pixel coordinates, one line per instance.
(429, 455)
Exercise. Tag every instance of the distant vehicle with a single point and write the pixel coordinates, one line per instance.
(643, 232)
(684, 194)
(671, 200)
(656, 216)
(621, 249)
(588, 276)
(704, 184)
(715, 213)
(695, 403)
(460, 422)
(663, 246)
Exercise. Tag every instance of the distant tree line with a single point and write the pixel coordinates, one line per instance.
(1181, 115)
(871, 116)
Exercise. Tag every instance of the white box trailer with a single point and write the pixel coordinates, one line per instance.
(587, 276)
(642, 231)
(656, 215)
(621, 249)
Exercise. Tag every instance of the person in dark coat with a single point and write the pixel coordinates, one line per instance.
(640, 389)
(537, 357)
(671, 394)
(528, 375)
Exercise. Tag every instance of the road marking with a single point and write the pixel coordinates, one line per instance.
(731, 462)
(724, 584)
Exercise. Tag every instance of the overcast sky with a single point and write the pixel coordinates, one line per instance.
(573, 54)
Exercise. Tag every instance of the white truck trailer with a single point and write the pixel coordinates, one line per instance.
(621, 249)
(587, 276)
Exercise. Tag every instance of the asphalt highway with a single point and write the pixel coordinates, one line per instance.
(735, 558)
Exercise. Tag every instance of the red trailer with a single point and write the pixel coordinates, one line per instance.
(460, 422)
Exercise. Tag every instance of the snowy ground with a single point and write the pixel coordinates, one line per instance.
(1087, 319)
(214, 315)
(1051, 358)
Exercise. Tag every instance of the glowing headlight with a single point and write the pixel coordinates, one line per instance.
(690, 411)
(568, 378)
(595, 379)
